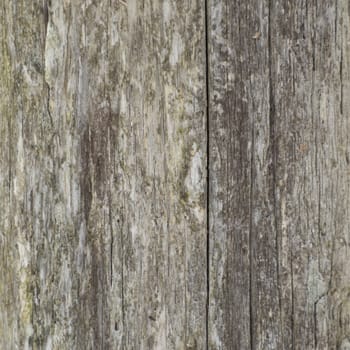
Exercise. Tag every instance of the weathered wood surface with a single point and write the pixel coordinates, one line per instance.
(103, 153)
(279, 175)
(120, 120)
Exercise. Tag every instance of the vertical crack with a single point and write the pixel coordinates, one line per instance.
(293, 298)
(315, 325)
(46, 18)
(341, 79)
(251, 241)
(48, 102)
(274, 150)
(111, 236)
(273, 147)
(206, 24)
(251, 238)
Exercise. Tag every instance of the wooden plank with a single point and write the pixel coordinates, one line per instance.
(242, 229)
(313, 175)
(103, 153)
(25, 131)
(279, 178)
(156, 67)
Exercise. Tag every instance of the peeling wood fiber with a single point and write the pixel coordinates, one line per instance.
(174, 174)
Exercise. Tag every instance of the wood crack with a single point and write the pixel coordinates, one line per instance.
(251, 241)
(206, 20)
(46, 18)
(273, 152)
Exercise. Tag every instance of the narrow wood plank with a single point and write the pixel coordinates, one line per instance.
(25, 132)
(313, 171)
(157, 64)
(241, 203)
(293, 57)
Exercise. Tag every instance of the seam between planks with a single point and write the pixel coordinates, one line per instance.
(207, 97)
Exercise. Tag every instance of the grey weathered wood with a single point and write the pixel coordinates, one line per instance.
(104, 146)
(158, 63)
(279, 175)
(103, 206)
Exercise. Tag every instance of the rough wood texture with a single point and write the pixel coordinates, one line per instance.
(103, 206)
(131, 131)
(279, 175)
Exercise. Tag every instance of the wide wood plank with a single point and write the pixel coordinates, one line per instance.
(279, 174)
(103, 154)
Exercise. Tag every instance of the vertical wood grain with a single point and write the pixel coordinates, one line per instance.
(157, 74)
(279, 177)
(132, 131)
(103, 233)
